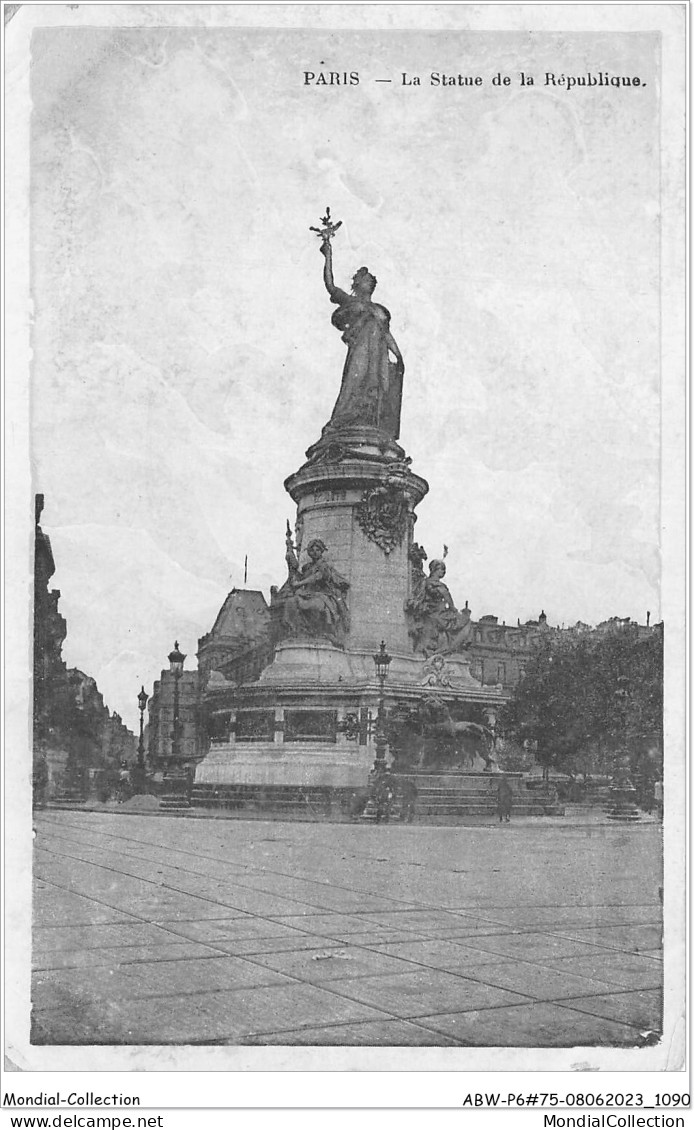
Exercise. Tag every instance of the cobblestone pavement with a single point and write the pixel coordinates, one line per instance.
(164, 930)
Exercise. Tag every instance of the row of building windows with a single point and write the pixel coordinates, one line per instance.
(488, 671)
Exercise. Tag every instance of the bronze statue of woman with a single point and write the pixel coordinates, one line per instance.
(371, 390)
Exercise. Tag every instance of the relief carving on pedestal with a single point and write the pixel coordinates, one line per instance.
(436, 673)
(383, 514)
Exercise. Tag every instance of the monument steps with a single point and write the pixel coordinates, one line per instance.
(274, 800)
(470, 795)
(174, 801)
(443, 796)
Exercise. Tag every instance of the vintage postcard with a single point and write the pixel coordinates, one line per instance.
(345, 535)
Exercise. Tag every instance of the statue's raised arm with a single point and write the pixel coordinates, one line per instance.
(340, 297)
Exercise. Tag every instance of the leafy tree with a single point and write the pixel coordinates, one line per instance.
(590, 699)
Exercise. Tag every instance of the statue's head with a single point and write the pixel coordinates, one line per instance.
(316, 549)
(364, 282)
(437, 569)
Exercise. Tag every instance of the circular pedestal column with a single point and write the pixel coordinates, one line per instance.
(363, 510)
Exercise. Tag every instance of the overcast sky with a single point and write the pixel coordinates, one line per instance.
(183, 353)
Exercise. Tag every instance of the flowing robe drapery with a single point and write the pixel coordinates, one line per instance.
(371, 390)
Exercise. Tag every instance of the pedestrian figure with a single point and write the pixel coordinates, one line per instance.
(384, 793)
(504, 796)
(124, 783)
(40, 782)
(357, 803)
(408, 800)
(658, 798)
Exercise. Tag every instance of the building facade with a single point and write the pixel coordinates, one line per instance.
(176, 732)
(77, 741)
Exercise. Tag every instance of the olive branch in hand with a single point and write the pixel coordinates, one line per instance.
(329, 228)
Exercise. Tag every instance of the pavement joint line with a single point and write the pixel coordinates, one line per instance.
(273, 871)
(573, 906)
(465, 976)
(137, 920)
(466, 940)
(399, 907)
(420, 907)
(419, 965)
(332, 987)
(326, 987)
(463, 942)
(145, 996)
(209, 943)
(349, 1023)
(134, 961)
(547, 969)
(600, 949)
(285, 875)
(140, 920)
(417, 1020)
(385, 1017)
(384, 1013)
(558, 1002)
(506, 959)
(566, 1003)
(523, 928)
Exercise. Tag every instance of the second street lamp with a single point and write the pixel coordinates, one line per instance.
(142, 700)
(382, 662)
(176, 661)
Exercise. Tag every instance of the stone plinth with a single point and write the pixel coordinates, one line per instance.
(301, 764)
(312, 661)
(304, 661)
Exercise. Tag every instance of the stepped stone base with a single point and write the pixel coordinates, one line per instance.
(279, 802)
(174, 801)
(443, 796)
(69, 797)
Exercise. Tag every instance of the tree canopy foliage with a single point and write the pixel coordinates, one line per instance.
(588, 699)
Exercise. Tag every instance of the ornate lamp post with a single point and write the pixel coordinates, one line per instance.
(142, 700)
(176, 661)
(382, 662)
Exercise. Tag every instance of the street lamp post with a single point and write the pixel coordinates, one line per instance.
(142, 700)
(382, 662)
(176, 661)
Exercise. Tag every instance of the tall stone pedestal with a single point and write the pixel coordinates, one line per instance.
(363, 509)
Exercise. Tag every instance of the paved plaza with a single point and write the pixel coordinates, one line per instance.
(167, 930)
